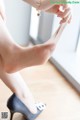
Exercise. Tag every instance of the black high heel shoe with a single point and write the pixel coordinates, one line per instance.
(15, 105)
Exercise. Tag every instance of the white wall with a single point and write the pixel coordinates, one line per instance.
(18, 20)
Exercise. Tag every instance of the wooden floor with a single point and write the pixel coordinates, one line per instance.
(49, 86)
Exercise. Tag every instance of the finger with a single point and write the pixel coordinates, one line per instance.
(64, 14)
(66, 19)
(70, 19)
(53, 9)
(56, 9)
(63, 21)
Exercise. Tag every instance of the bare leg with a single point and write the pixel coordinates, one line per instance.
(15, 58)
(17, 85)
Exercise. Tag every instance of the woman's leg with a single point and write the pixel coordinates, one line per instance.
(15, 57)
(17, 85)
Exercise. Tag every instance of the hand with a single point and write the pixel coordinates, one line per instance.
(64, 14)
(2, 10)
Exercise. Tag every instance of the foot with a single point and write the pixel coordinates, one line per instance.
(26, 57)
(31, 105)
(16, 105)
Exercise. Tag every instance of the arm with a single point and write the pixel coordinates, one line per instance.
(45, 5)
(40, 4)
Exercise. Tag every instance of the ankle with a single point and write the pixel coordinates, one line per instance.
(45, 52)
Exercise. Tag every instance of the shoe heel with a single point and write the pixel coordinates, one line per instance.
(11, 114)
